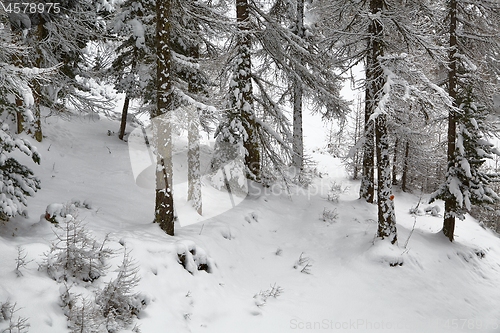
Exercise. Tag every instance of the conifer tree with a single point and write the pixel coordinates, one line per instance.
(17, 181)
(467, 183)
(382, 34)
(473, 45)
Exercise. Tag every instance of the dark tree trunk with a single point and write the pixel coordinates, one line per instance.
(372, 90)
(404, 176)
(164, 203)
(298, 91)
(244, 81)
(376, 80)
(394, 163)
(37, 88)
(450, 204)
(123, 123)
(19, 116)
(367, 189)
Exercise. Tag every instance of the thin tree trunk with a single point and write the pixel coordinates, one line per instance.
(164, 202)
(404, 176)
(123, 123)
(367, 188)
(37, 88)
(394, 163)
(194, 174)
(357, 136)
(298, 91)
(450, 204)
(19, 102)
(373, 87)
(243, 78)
(19, 116)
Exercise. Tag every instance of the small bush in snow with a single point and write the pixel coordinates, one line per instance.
(57, 212)
(262, 296)
(14, 325)
(335, 191)
(21, 261)
(106, 310)
(304, 263)
(329, 215)
(82, 313)
(433, 210)
(75, 254)
(193, 258)
(118, 301)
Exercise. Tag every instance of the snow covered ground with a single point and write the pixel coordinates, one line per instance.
(278, 266)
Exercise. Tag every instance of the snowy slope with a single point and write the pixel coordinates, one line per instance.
(348, 284)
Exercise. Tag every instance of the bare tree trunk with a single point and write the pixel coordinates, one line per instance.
(385, 203)
(37, 88)
(450, 203)
(19, 116)
(373, 75)
(298, 137)
(194, 174)
(404, 176)
(19, 102)
(376, 80)
(357, 136)
(394, 163)
(243, 78)
(367, 188)
(123, 123)
(164, 203)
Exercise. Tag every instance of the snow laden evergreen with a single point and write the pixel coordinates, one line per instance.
(237, 132)
(62, 39)
(17, 181)
(272, 60)
(473, 47)
(467, 181)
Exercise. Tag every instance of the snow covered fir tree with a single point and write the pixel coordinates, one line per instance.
(249, 165)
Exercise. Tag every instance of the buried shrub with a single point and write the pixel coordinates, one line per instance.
(118, 301)
(75, 254)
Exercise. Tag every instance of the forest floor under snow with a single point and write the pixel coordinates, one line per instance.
(330, 275)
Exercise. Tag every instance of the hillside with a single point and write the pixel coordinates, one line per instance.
(277, 266)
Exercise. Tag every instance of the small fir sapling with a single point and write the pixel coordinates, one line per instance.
(75, 254)
(83, 315)
(329, 215)
(118, 301)
(262, 296)
(305, 262)
(21, 261)
(14, 325)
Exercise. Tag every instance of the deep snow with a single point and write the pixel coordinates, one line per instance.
(348, 285)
